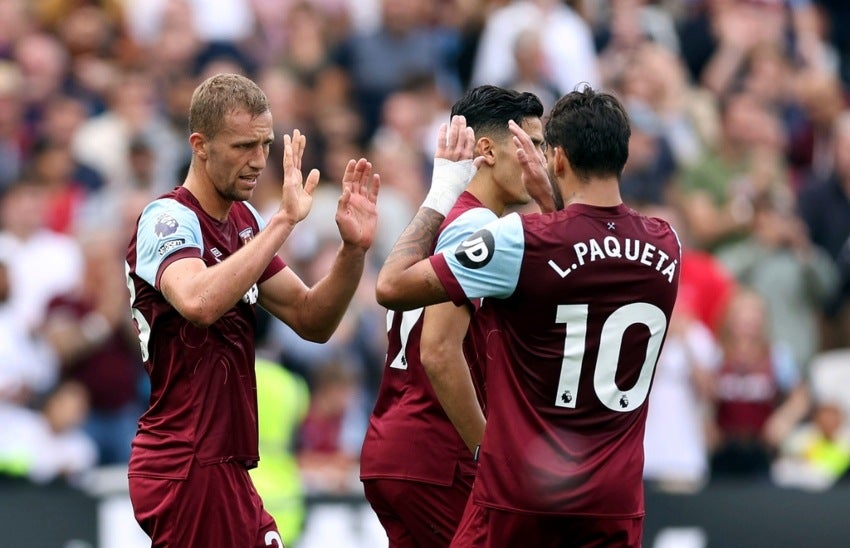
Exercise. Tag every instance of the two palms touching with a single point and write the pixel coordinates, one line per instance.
(356, 214)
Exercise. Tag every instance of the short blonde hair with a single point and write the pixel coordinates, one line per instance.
(219, 95)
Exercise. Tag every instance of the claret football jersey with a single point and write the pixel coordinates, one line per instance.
(203, 401)
(582, 298)
(409, 435)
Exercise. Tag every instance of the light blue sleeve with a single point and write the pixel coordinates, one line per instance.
(487, 263)
(165, 226)
(463, 226)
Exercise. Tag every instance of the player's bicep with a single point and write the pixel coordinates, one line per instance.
(420, 282)
(284, 295)
(178, 282)
(411, 287)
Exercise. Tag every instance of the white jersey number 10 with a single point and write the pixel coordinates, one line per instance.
(610, 341)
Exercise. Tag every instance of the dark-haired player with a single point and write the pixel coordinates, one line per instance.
(582, 298)
(416, 469)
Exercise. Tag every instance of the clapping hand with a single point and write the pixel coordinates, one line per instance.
(297, 194)
(356, 213)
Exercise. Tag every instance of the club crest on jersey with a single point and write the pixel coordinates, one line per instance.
(247, 234)
(165, 225)
(477, 250)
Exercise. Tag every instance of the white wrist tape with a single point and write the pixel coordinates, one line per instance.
(448, 181)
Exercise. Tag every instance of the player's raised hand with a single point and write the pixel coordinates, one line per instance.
(297, 194)
(356, 212)
(535, 176)
(453, 165)
(455, 141)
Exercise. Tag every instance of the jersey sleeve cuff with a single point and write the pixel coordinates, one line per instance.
(186, 253)
(447, 278)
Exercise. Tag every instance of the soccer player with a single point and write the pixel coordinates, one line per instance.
(200, 261)
(416, 470)
(582, 298)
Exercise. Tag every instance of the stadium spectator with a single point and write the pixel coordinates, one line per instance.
(404, 47)
(282, 403)
(412, 451)
(675, 442)
(795, 277)
(816, 454)
(26, 364)
(622, 26)
(45, 263)
(565, 38)
(199, 263)
(104, 141)
(820, 100)
(715, 194)
(654, 84)
(562, 455)
(328, 441)
(759, 393)
(92, 336)
(825, 208)
(64, 180)
(46, 443)
(531, 72)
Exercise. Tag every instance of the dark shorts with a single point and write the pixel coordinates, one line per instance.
(216, 506)
(418, 514)
(483, 527)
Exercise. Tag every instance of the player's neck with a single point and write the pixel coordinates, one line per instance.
(485, 191)
(211, 201)
(596, 192)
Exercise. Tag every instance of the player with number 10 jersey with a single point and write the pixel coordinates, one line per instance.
(584, 297)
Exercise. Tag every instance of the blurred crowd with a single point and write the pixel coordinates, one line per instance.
(740, 137)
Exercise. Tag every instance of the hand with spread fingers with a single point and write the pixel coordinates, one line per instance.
(356, 214)
(297, 194)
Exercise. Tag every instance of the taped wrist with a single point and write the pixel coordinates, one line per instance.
(447, 183)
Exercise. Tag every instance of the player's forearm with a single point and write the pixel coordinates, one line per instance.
(213, 291)
(328, 300)
(394, 289)
(452, 383)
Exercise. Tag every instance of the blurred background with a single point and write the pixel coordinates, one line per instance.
(741, 138)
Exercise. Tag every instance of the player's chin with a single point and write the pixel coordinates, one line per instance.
(241, 193)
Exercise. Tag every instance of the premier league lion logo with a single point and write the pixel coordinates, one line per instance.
(165, 225)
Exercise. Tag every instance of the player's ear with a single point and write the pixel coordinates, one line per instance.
(199, 145)
(486, 148)
(560, 161)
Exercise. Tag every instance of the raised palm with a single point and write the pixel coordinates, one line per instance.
(297, 194)
(356, 213)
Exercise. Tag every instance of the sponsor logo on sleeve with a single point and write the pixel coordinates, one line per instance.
(477, 250)
(166, 225)
(169, 245)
